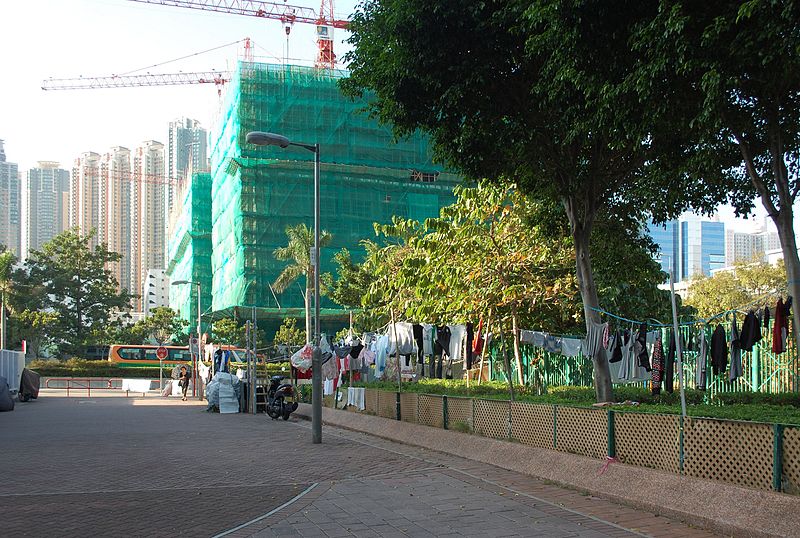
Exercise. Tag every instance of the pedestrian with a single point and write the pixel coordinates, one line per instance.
(184, 381)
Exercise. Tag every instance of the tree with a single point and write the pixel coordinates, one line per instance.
(164, 325)
(77, 286)
(36, 328)
(737, 64)
(351, 281)
(297, 251)
(7, 261)
(227, 331)
(539, 94)
(288, 334)
(727, 290)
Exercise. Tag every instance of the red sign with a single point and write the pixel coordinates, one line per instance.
(161, 353)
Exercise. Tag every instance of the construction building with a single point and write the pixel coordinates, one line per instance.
(257, 192)
(189, 250)
(45, 205)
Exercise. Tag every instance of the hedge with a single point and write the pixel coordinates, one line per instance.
(84, 368)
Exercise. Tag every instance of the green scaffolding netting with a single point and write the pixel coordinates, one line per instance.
(257, 192)
(189, 247)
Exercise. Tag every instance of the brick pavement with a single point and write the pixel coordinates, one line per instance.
(124, 466)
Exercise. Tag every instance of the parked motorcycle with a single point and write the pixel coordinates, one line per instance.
(279, 396)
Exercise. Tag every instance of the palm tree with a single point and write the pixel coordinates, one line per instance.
(297, 251)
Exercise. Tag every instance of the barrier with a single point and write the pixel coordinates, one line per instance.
(756, 455)
(85, 383)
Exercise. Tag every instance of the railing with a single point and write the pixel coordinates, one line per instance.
(753, 454)
(81, 384)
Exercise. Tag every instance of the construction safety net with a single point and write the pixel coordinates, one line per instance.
(189, 246)
(257, 192)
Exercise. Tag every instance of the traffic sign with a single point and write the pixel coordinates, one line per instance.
(161, 353)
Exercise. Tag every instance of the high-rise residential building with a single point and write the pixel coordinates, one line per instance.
(45, 205)
(187, 151)
(155, 292)
(115, 173)
(691, 245)
(9, 204)
(148, 214)
(85, 195)
(744, 246)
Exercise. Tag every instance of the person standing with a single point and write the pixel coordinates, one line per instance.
(183, 381)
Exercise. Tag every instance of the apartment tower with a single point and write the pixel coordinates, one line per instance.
(9, 204)
(115, 173)
(148, 215)
(85, 196)
(45, 205)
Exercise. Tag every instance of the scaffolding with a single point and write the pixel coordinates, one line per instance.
(189, 246)
(257, 192)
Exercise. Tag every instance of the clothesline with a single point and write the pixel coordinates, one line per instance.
(700, 321)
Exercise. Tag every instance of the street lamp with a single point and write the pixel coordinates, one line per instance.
(260, 138)
(675, 327)
(197, 356)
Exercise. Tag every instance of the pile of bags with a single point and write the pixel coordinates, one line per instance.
(223, 393)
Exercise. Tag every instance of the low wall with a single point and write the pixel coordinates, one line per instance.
(757, 455)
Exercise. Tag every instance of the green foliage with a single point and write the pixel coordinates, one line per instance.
(163, 326)
(37, 328)
(228, 332)
(82, 368)
(727, 290)
(70, 278)
(542, 98)
(351, 281)
(289, 334)
(297, 251)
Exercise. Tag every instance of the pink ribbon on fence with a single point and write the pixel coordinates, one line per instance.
(609, 461)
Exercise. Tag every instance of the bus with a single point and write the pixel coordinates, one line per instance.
(133, 355)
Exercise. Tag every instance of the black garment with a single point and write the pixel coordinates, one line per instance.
(765, 321)
(787, 307)
(443, 337)
(183, 382)
(616, 347)
(435, 371)
(641, 348)
(751, 331)
(470, 339)
(417, 330)
(355, 351)
(669, 365)
(719, 351)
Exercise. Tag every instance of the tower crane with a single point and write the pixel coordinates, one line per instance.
(287, 14)
(128, 81)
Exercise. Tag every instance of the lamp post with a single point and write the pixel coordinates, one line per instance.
(199, 329)
(676, 328)
(260, 138)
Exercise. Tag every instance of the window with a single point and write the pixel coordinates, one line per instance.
(132, 353)
(423, 177)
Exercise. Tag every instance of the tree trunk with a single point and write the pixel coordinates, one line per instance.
(507, 364)
(784, 223)
(581, 232)
(3, 323)
(517, 354)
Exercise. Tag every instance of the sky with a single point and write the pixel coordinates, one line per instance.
(69, 38)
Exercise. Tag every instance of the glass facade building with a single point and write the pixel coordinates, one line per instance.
(689, 246)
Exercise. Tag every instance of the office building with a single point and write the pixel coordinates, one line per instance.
(694, 244)
(9, 204)
(45, 205)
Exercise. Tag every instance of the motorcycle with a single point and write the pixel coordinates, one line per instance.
(279, 396)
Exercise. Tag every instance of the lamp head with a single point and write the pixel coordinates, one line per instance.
(260, 138)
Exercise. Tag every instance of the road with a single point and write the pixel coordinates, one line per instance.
(121, 466)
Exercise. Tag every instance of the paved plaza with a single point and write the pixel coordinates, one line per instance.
(121, 466)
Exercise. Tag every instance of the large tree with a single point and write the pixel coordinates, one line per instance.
(737, 63)
(7, 261)
(297, 252)
(77, 285)
(536, 92)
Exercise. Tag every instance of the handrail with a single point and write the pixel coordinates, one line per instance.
(85, 383)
